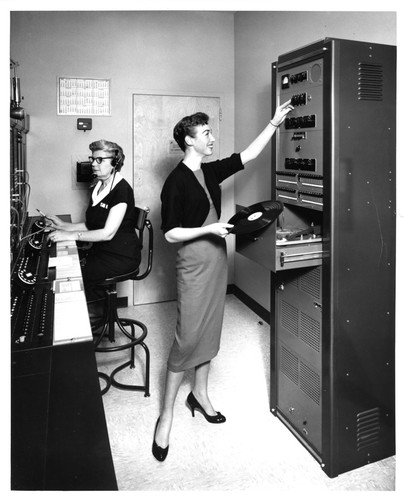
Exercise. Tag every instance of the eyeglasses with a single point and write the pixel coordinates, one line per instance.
(100, 159)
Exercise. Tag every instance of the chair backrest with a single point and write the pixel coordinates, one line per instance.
(142, 223)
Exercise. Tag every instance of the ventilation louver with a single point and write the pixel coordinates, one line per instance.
(367, 428)
(301, 375)
(370, 82)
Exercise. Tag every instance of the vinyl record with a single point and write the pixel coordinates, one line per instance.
(255, 217)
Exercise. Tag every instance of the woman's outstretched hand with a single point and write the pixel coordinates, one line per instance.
(281, 112)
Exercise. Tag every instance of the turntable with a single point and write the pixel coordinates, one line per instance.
(298, 236)
(298, 246)
(268, 233)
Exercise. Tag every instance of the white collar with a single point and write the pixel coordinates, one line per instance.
(97, 197)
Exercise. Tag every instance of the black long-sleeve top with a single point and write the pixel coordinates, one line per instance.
(183, 200)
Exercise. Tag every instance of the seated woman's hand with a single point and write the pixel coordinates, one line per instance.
(55, 222)
(60, 235)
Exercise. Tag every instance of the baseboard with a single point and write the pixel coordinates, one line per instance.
(249, 302)
(232, 290)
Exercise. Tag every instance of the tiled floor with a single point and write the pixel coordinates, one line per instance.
(251, 451)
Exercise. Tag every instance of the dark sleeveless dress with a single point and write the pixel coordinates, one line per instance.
(119, 255)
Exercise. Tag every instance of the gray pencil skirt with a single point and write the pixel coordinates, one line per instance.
(201, 292)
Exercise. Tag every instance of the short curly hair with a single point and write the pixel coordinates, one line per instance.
(186, 126)
(110, 147)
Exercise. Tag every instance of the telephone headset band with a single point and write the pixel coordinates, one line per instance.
(115, 160)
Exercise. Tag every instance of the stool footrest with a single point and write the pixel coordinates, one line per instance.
(104, 328)
(133, 341)
(108, 381)
(128, 387)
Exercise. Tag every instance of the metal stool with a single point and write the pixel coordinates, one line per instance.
(104, 327)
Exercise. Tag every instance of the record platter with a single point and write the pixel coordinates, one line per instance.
(294, 236)
(296, 247)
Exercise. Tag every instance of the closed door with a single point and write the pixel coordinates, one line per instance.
(156, 154)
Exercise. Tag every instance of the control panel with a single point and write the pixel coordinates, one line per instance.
(299, 172)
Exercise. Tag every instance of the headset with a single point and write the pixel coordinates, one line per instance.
(116, 161)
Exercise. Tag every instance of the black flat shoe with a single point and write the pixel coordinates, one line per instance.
(195, 405)
(159, 453)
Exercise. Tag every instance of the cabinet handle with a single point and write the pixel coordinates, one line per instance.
(297, 257)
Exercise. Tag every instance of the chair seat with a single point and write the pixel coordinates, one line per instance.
(121, 277)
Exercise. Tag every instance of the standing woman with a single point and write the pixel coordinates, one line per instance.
(190, 210)
(109, 224)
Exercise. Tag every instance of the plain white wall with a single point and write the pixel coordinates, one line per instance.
(136, 50)
(260, 37)
(163, 51)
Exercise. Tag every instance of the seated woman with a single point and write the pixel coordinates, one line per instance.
(109, 224)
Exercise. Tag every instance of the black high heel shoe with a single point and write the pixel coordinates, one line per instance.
(159, 453)
(195, 405)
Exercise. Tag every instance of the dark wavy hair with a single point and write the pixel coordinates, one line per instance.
(186, 126)
(109, 147)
